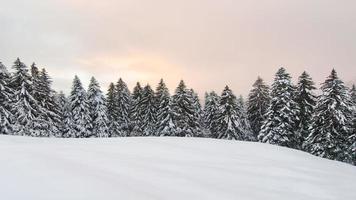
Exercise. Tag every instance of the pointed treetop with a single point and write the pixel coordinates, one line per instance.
(258, 81)
(333, 74)
(226, 88)
(3, 69)
(93, 83)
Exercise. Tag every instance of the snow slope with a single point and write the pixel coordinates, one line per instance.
(166, 168)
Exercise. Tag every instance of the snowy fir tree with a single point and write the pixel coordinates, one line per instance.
(137, 110)
(280, 126)
(41, 125)
(164, 123)
(123, 104)
(35, 81)
(149, 111)
(98, 112)
(49, 108)
(306, 101)
(198, 111)
(229, 124)
(25, 107)
(80, 121)
(112, 111)
(257, 105)
(211, 111)
(331, 122)
(184, 112)
(6, 93)
(352, 138)
(245, 124)
(64, 115)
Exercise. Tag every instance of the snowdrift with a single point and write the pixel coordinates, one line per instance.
(166, 168)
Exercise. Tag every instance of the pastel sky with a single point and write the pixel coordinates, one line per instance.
(208, 43)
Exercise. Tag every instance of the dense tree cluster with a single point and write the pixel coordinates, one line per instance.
(284, 114)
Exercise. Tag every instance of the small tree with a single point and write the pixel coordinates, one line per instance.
(245, 124)
(64, 115)
(211, 111)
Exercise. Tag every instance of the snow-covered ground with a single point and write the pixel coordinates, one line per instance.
(166, 168)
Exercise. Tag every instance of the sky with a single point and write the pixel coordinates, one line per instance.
(208, 43)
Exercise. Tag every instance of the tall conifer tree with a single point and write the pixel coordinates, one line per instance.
(149, 111)
(331, 122)
(184, 112)
(6, 93)
(79, 108)
(98, 110)
(112, 112)
(280, 126)
(306, 100)
(257, 105)
(25, 107)
(229, 125)
(352, 138)
(164, 124)
(123, 103)
(137, 111)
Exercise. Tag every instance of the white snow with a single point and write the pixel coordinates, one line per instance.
(166, 169)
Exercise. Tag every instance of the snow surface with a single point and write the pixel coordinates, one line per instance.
(166, 168)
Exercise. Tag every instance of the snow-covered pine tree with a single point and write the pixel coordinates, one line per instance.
(164, 124)
(352, 138)
(149, 111)
(280, 126)
(79, 108)
(306, 100)
(198, 111)
(41, 125)
(35, 81)
(64, 115)
(98, 112)
(6, 93)
(25, 107)
(136, 114)
(184, 112)
(123, 103)
(257, 105)
(49, 108)
(112, 111)
(245, 124)
(228, 119)
(331, 122)
(211, 111)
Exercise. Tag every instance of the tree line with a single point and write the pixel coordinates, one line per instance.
(285, 114)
